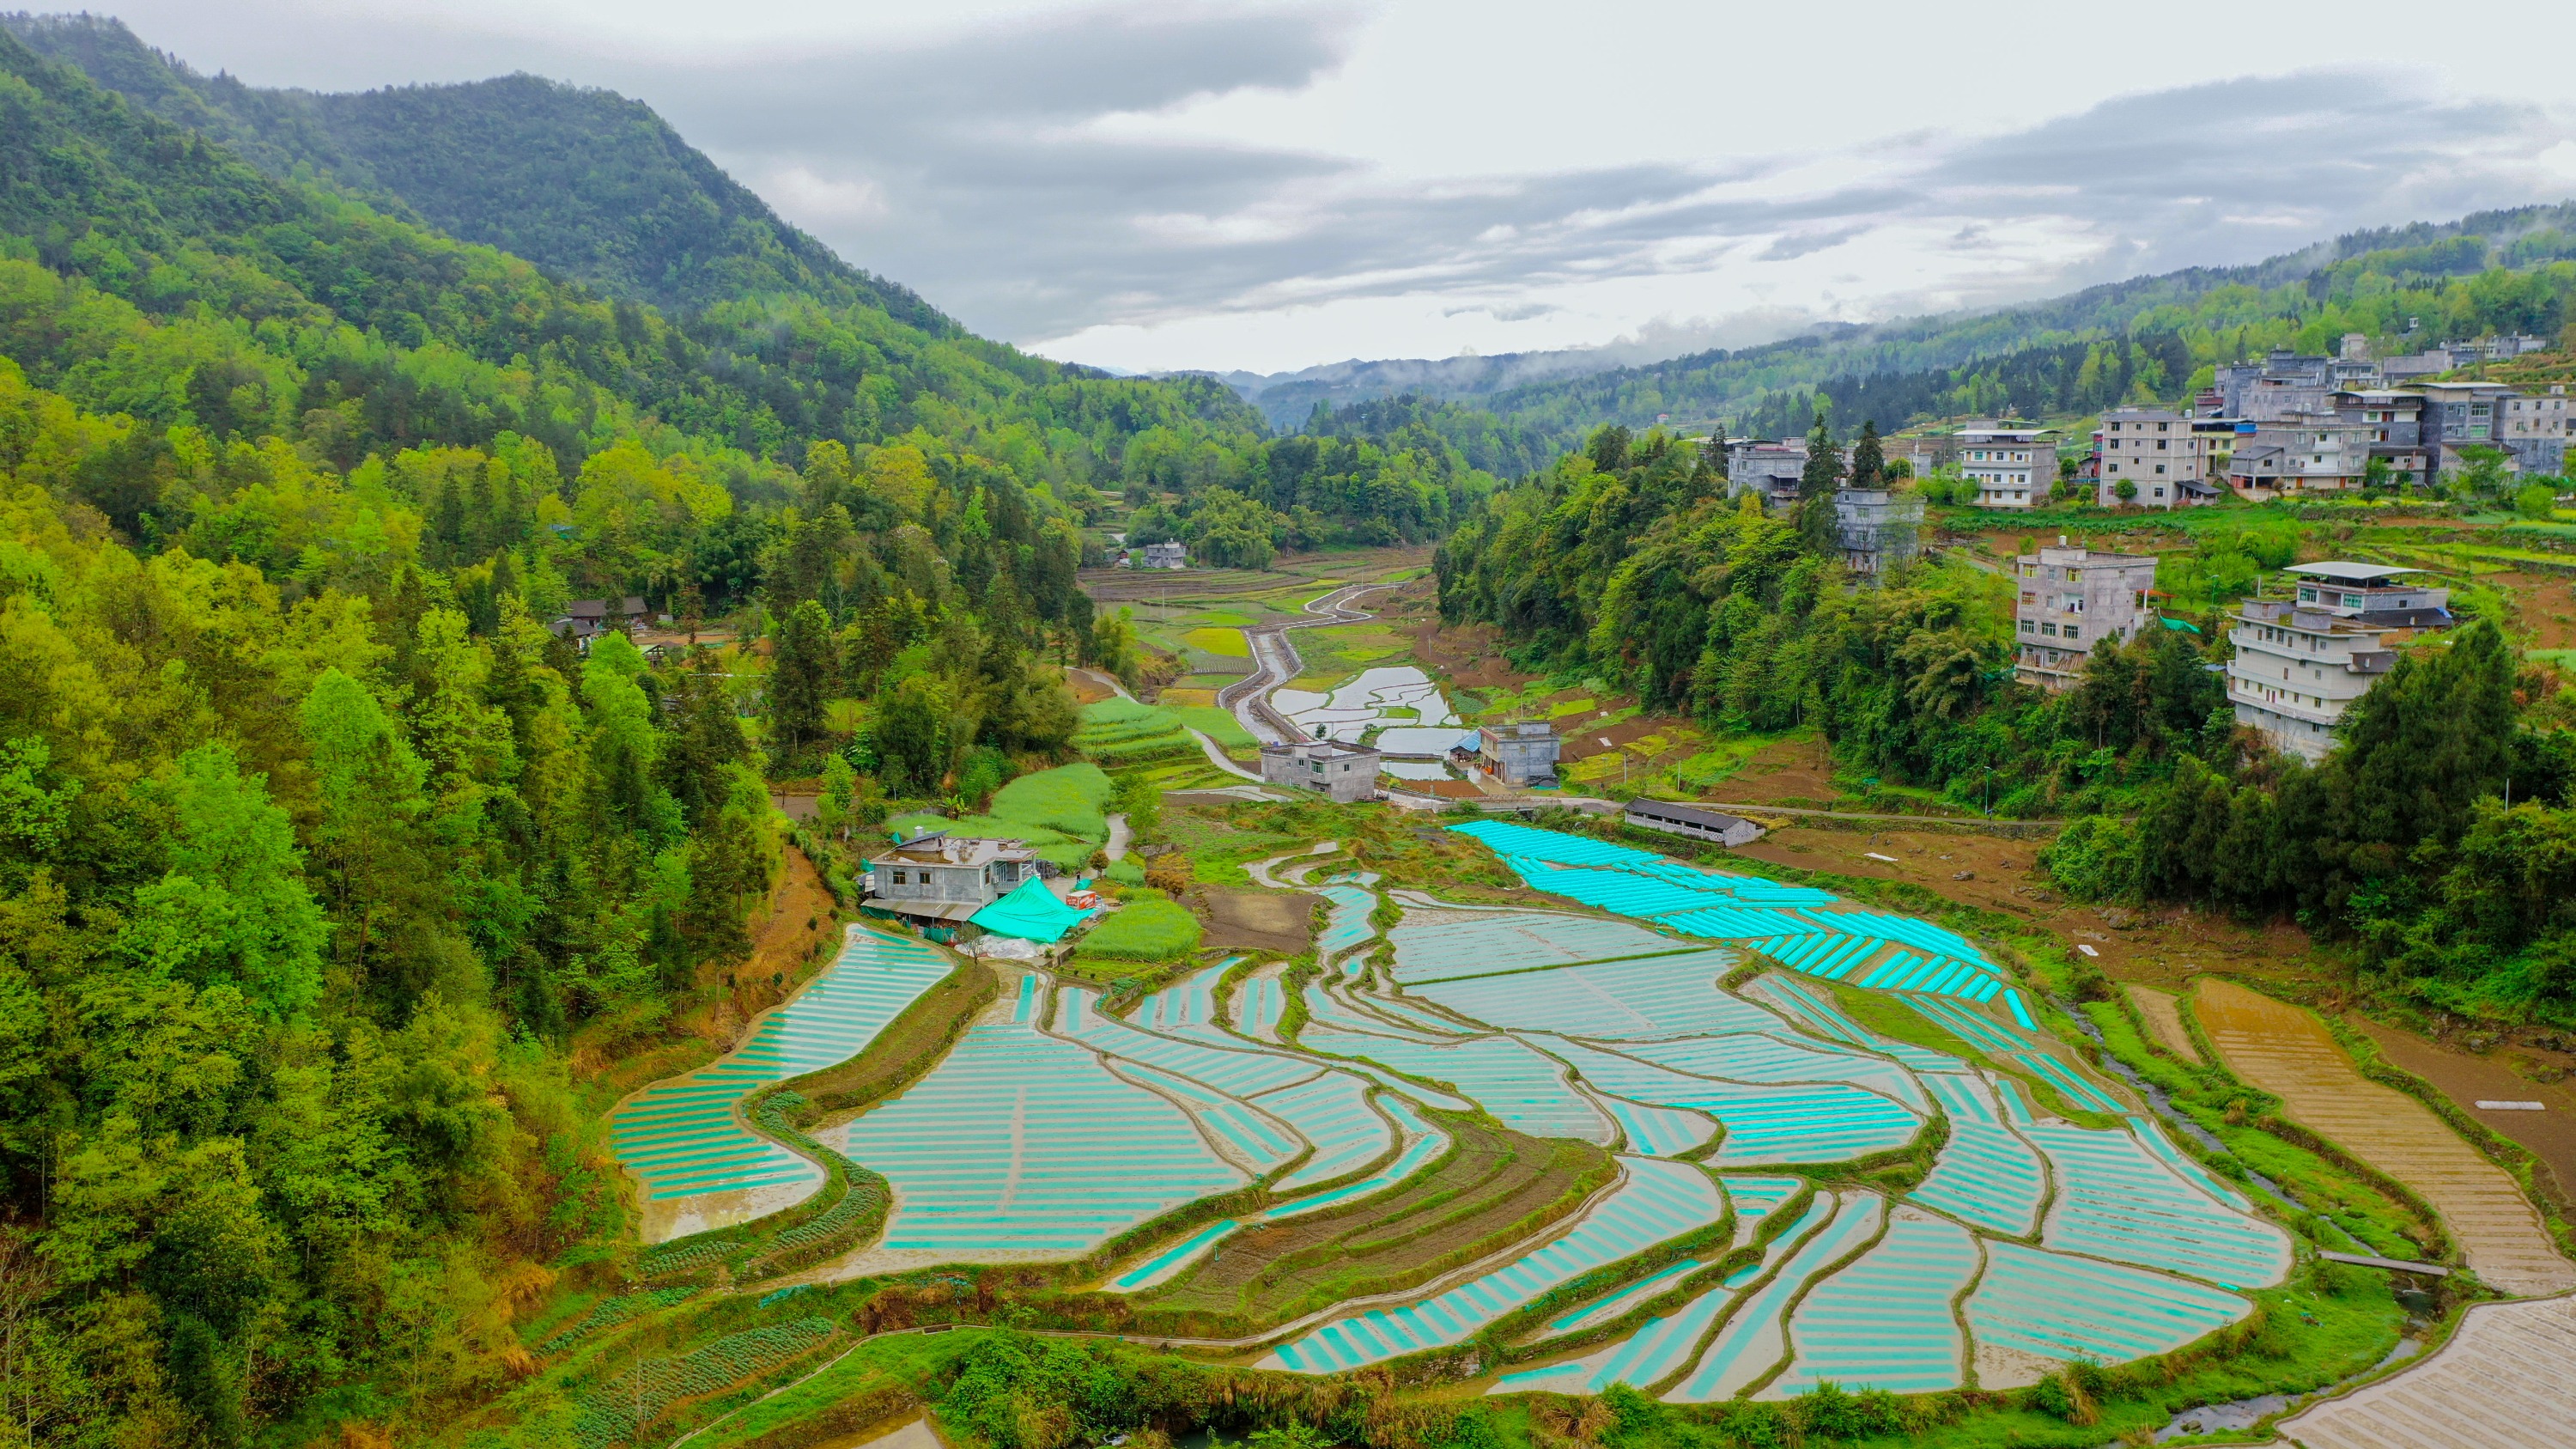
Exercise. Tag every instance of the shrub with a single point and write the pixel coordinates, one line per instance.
(2094, 858)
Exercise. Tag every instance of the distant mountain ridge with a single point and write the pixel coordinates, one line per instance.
(1563, 394)
(585, 183)
(1288, 399)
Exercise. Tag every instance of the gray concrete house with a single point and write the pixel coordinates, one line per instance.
(945, 878)
(1161, 556)
(2301, 662)
(1693, 821)
(1518, 754)
(2158, 453)
(1767, 467)
(2533, 431)
(2072, 599)
(1344, 771)
(1879, 529)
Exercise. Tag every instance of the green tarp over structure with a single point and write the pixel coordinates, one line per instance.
(1031, 913)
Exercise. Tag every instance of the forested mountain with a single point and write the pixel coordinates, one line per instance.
(585, 183)
(2407, 287)
(323, 862)
(1288, 398)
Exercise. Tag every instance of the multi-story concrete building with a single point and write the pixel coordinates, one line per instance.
(2280, 383)
(1344, 771)
(2012, 465)
(1770, 467)
(2312, 453)
(2536, 430)
(2300, 662)
(2532, 431)
(1879, 528)
(1518, 754)
(946, 878)
(2070, 600)
(2157, 452)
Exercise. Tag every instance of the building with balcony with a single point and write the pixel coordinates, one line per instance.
(2161, 455)
(1769, 467)
(2011, 465)
(2070, 600)
(2300, 662)
(2310, 453)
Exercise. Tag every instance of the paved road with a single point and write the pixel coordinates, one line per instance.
(1275, 662)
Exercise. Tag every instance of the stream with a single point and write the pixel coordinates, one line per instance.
(2238, 1413)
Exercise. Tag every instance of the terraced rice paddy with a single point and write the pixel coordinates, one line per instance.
(1052, 1127)
(1348, 925)
(1805, 929)
(2057, 1307)
(1988, 1175)
(2116, 1200)
(1646, 996)
(1657, 1202)
(1752, 1341)
(1022, 1145)
(1523, 1087)
(1436, 945)
(2287, 1052)
(1885, 1321)
(680, 1138)
(2500, 1383)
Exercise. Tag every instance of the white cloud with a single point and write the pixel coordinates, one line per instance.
(1147, 184)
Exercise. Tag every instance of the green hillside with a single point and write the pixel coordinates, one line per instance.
(585, 183)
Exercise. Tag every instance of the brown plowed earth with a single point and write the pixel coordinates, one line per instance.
(1462, 1212)
(2163, 1011)
(2502, 1382)
(1240, 918)
(2288, 1052)
(2550, 1133)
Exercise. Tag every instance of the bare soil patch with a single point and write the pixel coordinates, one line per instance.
(2467, 1080)
(2543, 607)
(1795, 773)
(1581, 742)
(2286, 1051)
(2163, 1011)
(1471, 655)
(1246, 918)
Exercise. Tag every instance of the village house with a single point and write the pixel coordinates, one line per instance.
(2301, 662)
(1344, 771)
(943, 879)
(2070, 600)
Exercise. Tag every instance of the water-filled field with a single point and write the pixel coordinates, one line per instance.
(1064, 1119)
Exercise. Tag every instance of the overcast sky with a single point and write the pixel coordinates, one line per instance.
(1153, 185)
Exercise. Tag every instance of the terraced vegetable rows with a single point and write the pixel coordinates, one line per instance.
(681, 1139)
(1440, 1121)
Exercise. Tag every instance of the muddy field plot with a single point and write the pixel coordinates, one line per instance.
(2287, 1052)
(1467, 1208)
(2549, 1133)
(2501, 1383)
(1251, 919)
